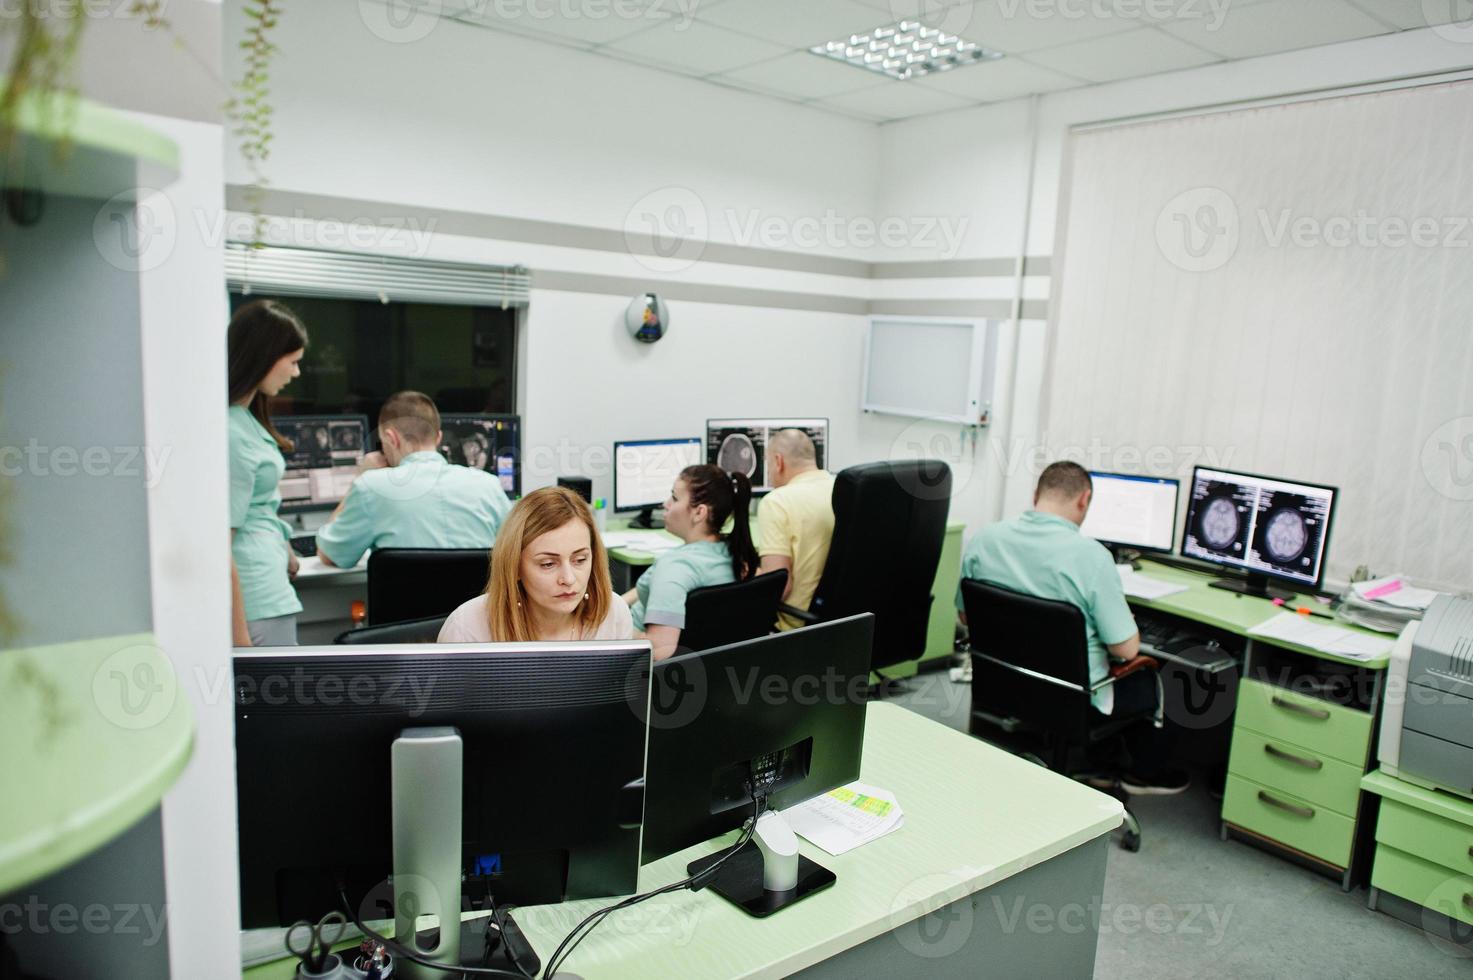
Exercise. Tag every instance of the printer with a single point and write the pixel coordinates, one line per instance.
(1427, 723)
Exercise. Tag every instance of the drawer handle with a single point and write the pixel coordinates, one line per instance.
(1319, 714)
(1298, 760)
(1298, 811)
(1468, 901)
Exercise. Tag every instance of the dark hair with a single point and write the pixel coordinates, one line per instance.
(1065, 478)
(728, 495)
(412, 414)
(260, 334)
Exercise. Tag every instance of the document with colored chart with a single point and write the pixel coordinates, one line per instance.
(843, 819)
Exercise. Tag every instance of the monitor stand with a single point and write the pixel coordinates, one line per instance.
(646, 519)
(1252, 584)
(768, 873)
(425, 786)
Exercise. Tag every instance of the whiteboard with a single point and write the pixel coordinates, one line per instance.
(930, 367)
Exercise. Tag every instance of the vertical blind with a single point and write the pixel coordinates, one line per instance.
(1288, 291)
(281, 271)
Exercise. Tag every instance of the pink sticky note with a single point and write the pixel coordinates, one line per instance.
(1393, 586)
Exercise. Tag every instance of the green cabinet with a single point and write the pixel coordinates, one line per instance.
(1289, 820)
(1423, 869)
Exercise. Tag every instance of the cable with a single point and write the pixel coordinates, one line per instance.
(404, 952)
(559, 956)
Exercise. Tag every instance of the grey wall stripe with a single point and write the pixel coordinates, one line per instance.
(577, 282)
(994, 309)
(471, 225)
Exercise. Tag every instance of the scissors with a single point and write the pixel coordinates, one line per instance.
(320, 940)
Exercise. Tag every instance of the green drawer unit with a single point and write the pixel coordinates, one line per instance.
(1430, 837)
(1429, 885)
(1289, 820)
(1324, 728)
(1282, 765)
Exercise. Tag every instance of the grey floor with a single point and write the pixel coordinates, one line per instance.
(1190, 905)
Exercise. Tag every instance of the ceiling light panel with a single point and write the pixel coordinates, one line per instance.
(908, 49)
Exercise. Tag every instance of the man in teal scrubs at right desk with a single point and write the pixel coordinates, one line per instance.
(1043, 554)
(409, 496)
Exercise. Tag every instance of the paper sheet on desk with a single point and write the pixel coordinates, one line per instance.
(1294, 628)
(847, 817)
(649, 542)
(1395, 591)
(1143, 587)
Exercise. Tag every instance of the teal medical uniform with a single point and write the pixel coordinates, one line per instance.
(661, 591)
(261, 538)
(424, 502)
(1044, 555)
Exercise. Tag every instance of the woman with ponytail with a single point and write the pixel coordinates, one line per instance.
(702, 500)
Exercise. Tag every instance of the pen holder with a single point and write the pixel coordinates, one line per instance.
(332, 969)
(353, 971)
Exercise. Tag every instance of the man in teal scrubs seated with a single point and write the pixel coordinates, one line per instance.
(1043, 554)
(409, 496)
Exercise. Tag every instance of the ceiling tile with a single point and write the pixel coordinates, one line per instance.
(994, 81)
(590, 23)
(804, 76)
(1017, 26)
(1277, 25)
(1143, 51)
(895, 100)
(794, 23)
(694, 48)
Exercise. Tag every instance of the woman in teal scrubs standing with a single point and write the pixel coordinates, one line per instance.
(265, 343)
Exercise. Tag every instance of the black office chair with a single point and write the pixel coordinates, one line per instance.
(1030, 674)
(417, 583)
(720, 614)
(889, 524)
(413, 631)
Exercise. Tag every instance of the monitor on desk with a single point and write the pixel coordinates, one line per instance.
(645, 470)
(740, 445)
(485, 442)
(321, 467)
(783, 712)
(549, 747)
(1270, 528)
(1137, 512)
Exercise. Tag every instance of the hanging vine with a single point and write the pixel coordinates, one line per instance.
(251, 110)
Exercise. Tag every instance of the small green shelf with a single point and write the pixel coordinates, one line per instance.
(94, 733)
(74, 147)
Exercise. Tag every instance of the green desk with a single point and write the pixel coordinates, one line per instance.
(1013, 894)
(629, 562)
(1301, 729)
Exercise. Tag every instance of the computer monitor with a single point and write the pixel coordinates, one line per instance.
(321, 468)
(1272, 529)
(551, 750)
(789, 707)
(740, 445)
(485, 442)
(644, 472)
(1135, 512)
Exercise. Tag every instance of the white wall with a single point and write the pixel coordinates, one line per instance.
(992, 193)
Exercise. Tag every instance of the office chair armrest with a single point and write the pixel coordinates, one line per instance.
(800, 614)
(1139, 662)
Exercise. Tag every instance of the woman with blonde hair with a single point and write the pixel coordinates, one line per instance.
(549, 579)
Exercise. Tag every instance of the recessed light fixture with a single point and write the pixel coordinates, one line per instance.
(908, 49)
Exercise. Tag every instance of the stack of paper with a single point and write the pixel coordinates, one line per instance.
(1394, 591)
(1294, 628)
(1143, 587)
(847, 817)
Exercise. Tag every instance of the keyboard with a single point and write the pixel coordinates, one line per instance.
(305, 545)
(1167, 641)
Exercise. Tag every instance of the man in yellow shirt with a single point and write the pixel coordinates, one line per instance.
(795, 522)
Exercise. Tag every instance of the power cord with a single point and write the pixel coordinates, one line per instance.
(405, 953)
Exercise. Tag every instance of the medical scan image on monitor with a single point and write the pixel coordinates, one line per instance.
(1222, 515)
(740, 445)
(1289, 529)
(1264, 526)
(321, 467)
(485, 442)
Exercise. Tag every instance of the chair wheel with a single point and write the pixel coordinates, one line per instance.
(1130, 841)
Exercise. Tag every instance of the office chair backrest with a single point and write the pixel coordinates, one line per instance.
(413, 631)
(1044, 636)
(416, 583)
(733, 613)
(889, 526)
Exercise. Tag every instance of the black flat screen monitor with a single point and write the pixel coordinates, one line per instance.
(554, 746)
(790, 706)
(740, 445)
(485, 442)
(1268, 527)
(321, 467)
